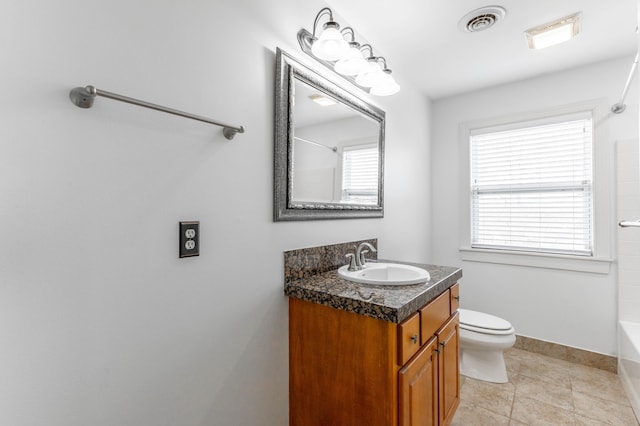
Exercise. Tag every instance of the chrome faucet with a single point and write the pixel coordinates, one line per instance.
(361, 262)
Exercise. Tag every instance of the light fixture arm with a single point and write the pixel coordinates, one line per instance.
(367, 46)
(384, 61)
(323, 11)
(350, 31)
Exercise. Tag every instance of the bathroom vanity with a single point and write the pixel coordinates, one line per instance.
(372, 355)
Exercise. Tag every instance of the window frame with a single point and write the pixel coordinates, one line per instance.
(603, 220)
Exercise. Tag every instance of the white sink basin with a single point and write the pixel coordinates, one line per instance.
(386, 274)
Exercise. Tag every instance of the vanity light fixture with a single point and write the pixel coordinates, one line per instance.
(347, 58)
(552, 33)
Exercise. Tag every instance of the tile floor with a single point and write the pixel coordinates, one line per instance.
(545, 391)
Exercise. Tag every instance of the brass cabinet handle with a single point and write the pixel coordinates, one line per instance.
(457, 298)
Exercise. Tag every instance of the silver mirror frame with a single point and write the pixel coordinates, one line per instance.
(289, 69)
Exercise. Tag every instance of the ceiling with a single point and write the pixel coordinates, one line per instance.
(422, 43)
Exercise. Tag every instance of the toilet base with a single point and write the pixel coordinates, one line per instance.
(483, 365)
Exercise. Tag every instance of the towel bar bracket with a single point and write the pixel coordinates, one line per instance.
(83, 97)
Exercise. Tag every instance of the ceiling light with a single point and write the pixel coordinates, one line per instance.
(553, 33)
(322, 100)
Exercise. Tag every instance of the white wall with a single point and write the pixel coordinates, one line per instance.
(572, 308)
(100, 322)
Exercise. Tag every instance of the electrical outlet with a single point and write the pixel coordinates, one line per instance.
(189, 239)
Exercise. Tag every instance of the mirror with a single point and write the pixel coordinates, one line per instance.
(329, 148)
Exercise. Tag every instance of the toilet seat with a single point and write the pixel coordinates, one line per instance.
(480, 322)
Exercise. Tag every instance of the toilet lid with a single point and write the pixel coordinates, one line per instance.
(479, 321)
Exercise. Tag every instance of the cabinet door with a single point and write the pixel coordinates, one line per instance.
(418, 388)
(448, 371)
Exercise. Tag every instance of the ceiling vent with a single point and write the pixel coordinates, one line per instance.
(481, 19)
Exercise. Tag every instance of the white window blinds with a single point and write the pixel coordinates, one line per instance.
(360, 175)
(531, 187)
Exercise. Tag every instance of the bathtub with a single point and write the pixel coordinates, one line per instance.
(629, 362)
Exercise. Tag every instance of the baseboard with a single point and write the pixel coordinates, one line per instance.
(567, 353)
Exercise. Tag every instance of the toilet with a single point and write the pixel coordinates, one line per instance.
(483, 338)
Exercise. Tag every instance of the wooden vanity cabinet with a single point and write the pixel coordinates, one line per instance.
(429, 384)
(350, 369)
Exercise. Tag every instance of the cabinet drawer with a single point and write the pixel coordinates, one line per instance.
(433, 315)
(455, 297)
(408, 338)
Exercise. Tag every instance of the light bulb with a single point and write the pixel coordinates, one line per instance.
(370, 75)
(386, 85)
(331, 45)
(353, 63)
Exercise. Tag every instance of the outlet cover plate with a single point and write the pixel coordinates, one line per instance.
(189, 239)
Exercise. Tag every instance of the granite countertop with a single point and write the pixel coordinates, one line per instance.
(389, 303)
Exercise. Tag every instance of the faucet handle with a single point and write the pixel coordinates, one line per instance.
(352, 262)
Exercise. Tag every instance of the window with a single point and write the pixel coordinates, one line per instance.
(360, 174)
(532, 186)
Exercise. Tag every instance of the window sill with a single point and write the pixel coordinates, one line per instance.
(595, 265)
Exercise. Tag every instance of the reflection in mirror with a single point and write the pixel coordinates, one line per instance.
(335, 151)
(329, 148)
